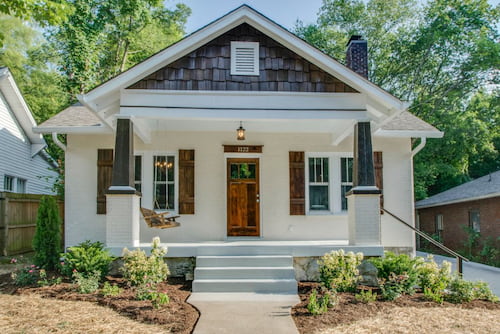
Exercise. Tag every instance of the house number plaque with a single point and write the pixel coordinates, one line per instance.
(243, 148)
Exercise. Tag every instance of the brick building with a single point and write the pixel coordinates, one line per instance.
(475, 204)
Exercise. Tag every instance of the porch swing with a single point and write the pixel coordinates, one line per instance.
(159, 219)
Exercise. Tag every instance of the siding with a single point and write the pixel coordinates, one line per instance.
(15, 155)
(208, 68)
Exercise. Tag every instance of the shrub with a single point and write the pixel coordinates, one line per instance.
(139, 269)
(366, 296)
(398, 270)
(47, 239)
(316, 307)
(26, 276)
(86, 258)
(45, 281)
(394, 286)
(339, 271)
(462, 291)
(110, 290)
(87, 283)
(434, 279)
(148, 292)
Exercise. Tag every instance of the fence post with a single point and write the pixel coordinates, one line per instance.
(4, 202)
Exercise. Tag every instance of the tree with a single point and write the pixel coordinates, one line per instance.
(47, 239)
(437, 57)
(103, 38)
(48, 12)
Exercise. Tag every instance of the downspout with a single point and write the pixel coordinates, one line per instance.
(58, 142)
(423, 141)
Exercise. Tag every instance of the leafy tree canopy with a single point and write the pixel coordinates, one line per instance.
(443, 57)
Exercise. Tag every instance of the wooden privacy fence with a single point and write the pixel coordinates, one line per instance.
(18, 221)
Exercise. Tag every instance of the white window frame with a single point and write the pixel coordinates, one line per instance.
(141, 182)
(25, 182)
(147, 176)
(13, 183)
(247, 45)
(334, 182)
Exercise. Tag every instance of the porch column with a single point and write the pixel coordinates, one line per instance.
(363, 201)
(123, 208)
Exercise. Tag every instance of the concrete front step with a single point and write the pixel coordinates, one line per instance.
(277, 286)
(245, 261)
(247, 273)
(244, 273)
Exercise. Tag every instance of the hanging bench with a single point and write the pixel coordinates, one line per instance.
(159, 220)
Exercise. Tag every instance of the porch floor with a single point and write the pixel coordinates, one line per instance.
(296, 248)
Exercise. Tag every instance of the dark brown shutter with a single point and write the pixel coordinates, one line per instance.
(379, 176)
(104, 177)
(297, 183)
(186, 182)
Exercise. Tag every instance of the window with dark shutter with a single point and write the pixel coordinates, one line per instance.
(297, 183)
(104, 177)
(186, 181)
(379, 176)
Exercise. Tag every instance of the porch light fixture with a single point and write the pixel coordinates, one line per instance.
(240, 133)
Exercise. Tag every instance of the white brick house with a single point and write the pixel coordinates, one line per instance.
(304, 181)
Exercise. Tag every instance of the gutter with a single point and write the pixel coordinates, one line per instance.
(423, 141)
(58, 142)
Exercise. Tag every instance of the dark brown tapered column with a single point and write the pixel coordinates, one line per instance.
(363, 178)
(123, 167)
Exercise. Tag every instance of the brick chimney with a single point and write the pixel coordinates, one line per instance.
(357, 55)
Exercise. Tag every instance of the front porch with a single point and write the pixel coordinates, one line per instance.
(305, 248)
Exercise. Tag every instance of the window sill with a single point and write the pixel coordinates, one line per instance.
(326, 213)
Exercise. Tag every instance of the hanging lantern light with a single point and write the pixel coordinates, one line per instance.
(240, 132)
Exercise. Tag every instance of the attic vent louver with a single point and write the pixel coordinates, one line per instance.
(244, 58)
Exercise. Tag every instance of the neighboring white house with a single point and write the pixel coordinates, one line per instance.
(24, 165)
(315, 130)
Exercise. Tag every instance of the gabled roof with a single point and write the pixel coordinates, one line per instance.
(406, 124)
(73, 119)
(110, 90)
(484, 187)
(21, 111)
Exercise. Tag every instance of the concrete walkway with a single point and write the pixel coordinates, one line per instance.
(244, 313)
(474, 271)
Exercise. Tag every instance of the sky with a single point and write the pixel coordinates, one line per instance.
(283, 12)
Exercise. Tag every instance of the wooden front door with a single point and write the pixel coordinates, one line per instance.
(243, 209)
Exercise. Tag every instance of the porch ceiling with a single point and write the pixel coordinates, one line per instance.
(252, 126)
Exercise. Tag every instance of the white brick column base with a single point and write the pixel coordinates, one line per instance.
(122, 220)
(364, 219)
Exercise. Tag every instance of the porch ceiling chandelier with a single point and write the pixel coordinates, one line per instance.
(240, 132)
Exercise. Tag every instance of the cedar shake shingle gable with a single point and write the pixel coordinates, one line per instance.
(484, 187)
(208, 68)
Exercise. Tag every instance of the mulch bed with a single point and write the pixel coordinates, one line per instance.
(177, 316)
(348, 310)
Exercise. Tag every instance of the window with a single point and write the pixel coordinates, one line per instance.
(164, 182)
(439, 227)
(319, 184)
(474, 221)
(345, 179)
(8, 183)
(329, 178)
(244, 58)
(21, 186)
(138, 173)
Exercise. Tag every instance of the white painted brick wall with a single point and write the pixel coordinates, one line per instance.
(364, 220)
(122, 221)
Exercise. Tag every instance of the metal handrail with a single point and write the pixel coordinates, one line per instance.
(459, 257)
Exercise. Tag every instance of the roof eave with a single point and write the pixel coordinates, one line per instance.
(462, 200)
(96, 129)
(409, 133)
